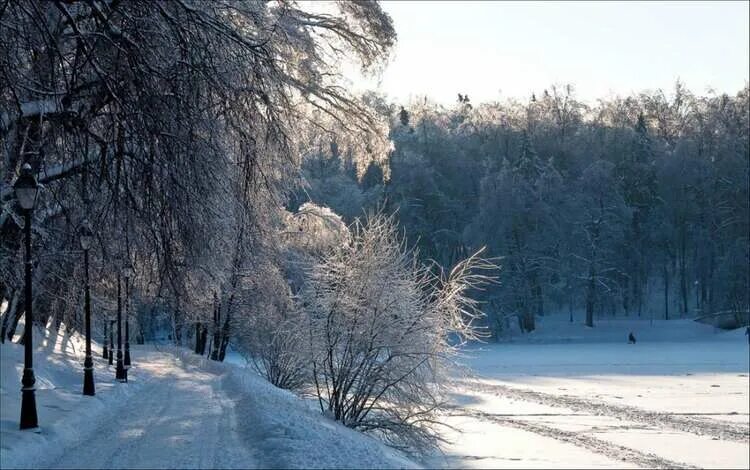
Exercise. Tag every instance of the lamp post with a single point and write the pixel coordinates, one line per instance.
(119, 368)
(26, 190)
(87, 235)
(129, 273)
(111, 341)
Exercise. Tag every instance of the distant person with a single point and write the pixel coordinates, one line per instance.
(747, 333)
(631, 338)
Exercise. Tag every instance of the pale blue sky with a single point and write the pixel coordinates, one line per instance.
(493, 50)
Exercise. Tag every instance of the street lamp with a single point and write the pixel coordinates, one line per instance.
(129, 273)
(26, 190)
(87, 236)
(111, 356)
(119, 368)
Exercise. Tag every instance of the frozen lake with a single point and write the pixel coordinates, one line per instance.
(585, 398)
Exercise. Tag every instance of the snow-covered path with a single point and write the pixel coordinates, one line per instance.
(180, 418)
(179, 410)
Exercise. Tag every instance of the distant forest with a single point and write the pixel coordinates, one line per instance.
(635, 206)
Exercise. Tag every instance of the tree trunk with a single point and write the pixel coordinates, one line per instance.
(197, 338)
(665, 271)
(539, 298)
(204, 338)
(14, 325)
(530, 321)
(683, 272)
(710, 282)
(9, 313)
(105, 350)
(224, 336)
(639, 299)
(591, 297)
(223, 347)
(216, 338)
(570, 307)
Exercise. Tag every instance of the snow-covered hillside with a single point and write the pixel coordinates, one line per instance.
(177, 411)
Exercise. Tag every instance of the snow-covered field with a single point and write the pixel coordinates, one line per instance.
(572, 397)
(563, 397)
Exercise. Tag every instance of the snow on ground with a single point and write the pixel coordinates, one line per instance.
(575, 397)
(286, 433)
(62, 412)
(481, 443)
(177, 411)
(564, 397)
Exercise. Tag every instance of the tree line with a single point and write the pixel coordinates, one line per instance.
(635, 206)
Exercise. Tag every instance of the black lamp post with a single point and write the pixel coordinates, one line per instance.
(26, 189)
(119, 368)
(88, 364)
(129, 273)
(111, 341)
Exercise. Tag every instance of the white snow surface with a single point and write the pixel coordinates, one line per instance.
(568, 396)
(564, 397)
(177, 410)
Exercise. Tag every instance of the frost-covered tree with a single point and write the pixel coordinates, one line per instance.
(186, 115)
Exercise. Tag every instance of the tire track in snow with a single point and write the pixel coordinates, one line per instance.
(722, 430)
(599, 446)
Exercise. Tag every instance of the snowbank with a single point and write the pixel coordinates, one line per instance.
(286, 433)
(65, 415)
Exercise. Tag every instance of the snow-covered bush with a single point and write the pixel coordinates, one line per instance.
(276, 352)
(267, 327)
(379, 325)
(273, 327)
(309, 234)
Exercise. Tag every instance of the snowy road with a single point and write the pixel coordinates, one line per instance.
(180, 418)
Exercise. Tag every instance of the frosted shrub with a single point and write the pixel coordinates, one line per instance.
(379, 323)
(270, 331)
(276, 353)
(274, 331)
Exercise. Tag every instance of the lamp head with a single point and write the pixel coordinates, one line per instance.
(26, 188)
(127, 270)
(86, 235)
